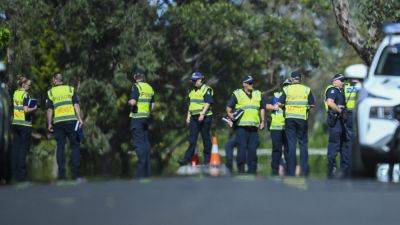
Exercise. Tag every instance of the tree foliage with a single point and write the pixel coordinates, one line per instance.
(97, 43)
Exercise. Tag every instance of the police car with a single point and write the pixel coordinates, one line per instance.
(377, 115)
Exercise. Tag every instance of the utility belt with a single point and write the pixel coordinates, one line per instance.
(334, 117)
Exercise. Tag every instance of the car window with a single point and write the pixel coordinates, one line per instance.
(389, 62)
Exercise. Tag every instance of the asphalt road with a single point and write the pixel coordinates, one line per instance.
(202, 201)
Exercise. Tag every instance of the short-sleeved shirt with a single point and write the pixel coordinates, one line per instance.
(336, 95)
(50, 105)
(232, 101)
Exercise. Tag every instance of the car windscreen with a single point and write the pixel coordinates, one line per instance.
(389, 62)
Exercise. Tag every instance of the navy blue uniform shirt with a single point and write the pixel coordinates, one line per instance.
(336, 95)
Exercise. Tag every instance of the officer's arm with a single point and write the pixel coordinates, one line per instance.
(134, 96)
(208, 99)
(229, 112)
(270, 107)
(152, 104)
(230, 106)
(132, 102)
(78, 112)
(49, 117)
(26, 107)
(50, 109)
(282, 100)
(77, 108)
(332, 105)
(262, 115)
(28, 110)
(205, 108)
(311, 100)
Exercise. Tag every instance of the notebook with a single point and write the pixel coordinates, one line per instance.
(32, 103)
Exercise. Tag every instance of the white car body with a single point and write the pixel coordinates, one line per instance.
(377, 127)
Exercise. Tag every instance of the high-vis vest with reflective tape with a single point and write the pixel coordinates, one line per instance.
(251, 107)
(19, 114)
(143, 104)
(61, 96)
(277, 117)
(350, 93)
(196, 97)
(296, 105)
(326, 104)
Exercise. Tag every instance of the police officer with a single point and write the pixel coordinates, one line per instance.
(335, 101)
(277, 131)
(253, 118)
(199, 117)
(351, 89)
(297, 100)
(142, 102)
(63, 118)
(21, 128)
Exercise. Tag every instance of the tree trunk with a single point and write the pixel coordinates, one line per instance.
(349, 31)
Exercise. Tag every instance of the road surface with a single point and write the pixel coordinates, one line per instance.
(202, 201)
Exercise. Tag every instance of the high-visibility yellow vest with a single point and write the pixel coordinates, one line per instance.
(326, 104)
(296, 105)
(277, 117)
(251, 107)
(143, 104)
(350, 93)
(196, 97)
(61, 96)
(19, 114)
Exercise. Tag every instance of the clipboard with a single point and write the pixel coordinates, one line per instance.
(32, 103)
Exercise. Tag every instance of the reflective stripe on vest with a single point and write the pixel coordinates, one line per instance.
(146, 93)
(277, 117)
(61, 96)
(18, 112)
(251, 107)
(196, 99)
(296, 105)
(350, 93)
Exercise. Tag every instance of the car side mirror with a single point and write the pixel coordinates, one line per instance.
(356, 71)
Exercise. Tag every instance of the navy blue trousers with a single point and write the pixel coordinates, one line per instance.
(338, 143)
(62, 131)
(141, 143)
(204, 128)
(247, 141)
(229, 146)
(297, 131)
(279, 146)
(349, 128)
(20, 148)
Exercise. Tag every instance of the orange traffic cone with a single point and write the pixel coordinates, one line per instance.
(195, 159)
(215, 157)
